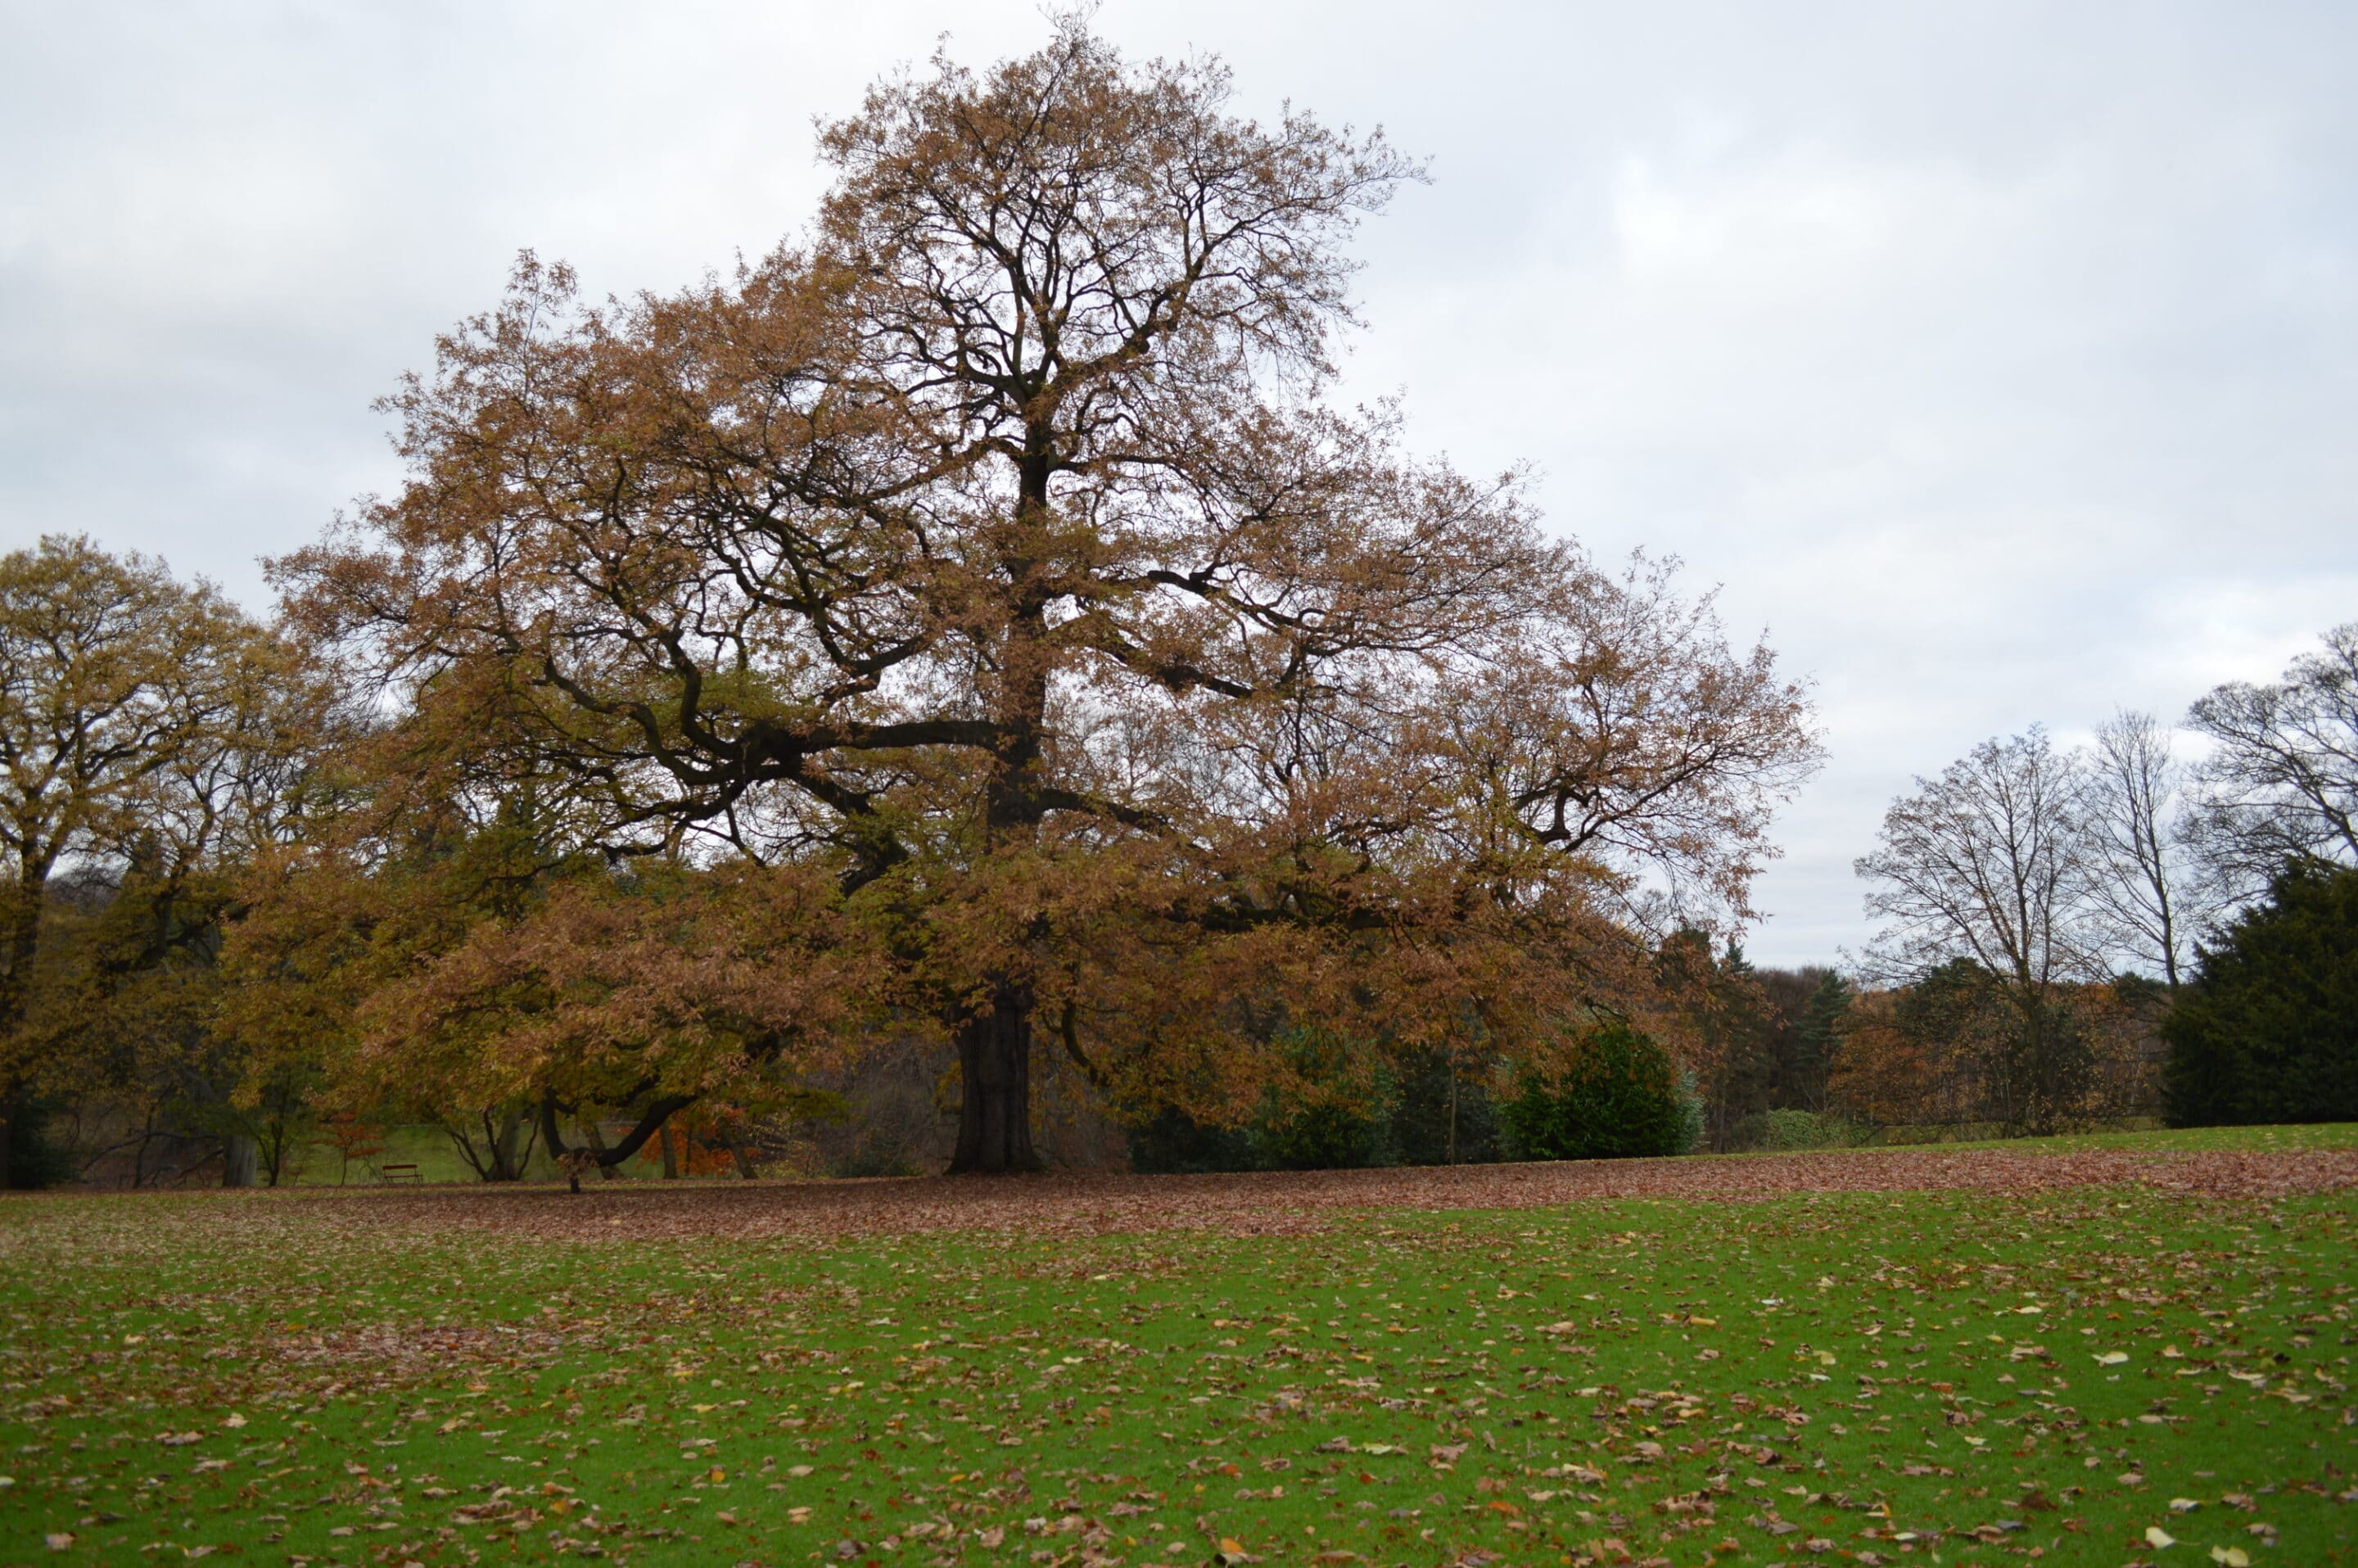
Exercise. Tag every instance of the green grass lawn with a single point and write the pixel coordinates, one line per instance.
(1947, 1378)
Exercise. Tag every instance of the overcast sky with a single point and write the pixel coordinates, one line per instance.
(2000, 360)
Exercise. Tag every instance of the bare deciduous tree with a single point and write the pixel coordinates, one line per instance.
(2282, 779)
(1989, 861)
(2143, 897)
(1992, 862)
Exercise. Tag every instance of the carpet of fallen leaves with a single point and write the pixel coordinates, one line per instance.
(1887, 1357)
(1287, 1202)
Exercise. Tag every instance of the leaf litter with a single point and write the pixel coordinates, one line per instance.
(1885, 1357)
(1289, 1203)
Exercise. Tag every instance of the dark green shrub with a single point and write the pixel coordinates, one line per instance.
(1333, 1136)
(2269, 1030)
(1620, 1096)
(1792, 1130)
(35, 1158)
(1170, 1143)
(1624, 1097)
(1342, 1123)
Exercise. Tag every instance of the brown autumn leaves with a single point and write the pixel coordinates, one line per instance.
(1300, 1203)
(977, 619)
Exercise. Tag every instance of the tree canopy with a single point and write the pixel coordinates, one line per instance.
(2281, 779)
(997, 555)
(149, 732)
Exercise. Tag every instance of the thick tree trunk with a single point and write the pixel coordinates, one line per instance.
(995, 1113)
(995, 1046)
(240, 1160)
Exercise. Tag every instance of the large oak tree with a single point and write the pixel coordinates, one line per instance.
(1000, 550)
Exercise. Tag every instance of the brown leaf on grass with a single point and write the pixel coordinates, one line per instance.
(406, 1349)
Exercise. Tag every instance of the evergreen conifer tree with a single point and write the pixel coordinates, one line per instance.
(2269, 1031)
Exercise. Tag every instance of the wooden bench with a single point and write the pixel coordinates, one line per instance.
(401, 1173)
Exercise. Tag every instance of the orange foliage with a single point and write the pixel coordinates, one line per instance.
(353, 1138)
(1073, 672)
(1950, 1051)
(704, 1141)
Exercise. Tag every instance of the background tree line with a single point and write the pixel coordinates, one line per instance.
(2081, 934)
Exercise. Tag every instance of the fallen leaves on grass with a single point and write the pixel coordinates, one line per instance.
(409, 1349)
(1491, 1367)
(1295, 1203)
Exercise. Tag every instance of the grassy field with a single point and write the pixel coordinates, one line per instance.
(2075, 1376)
